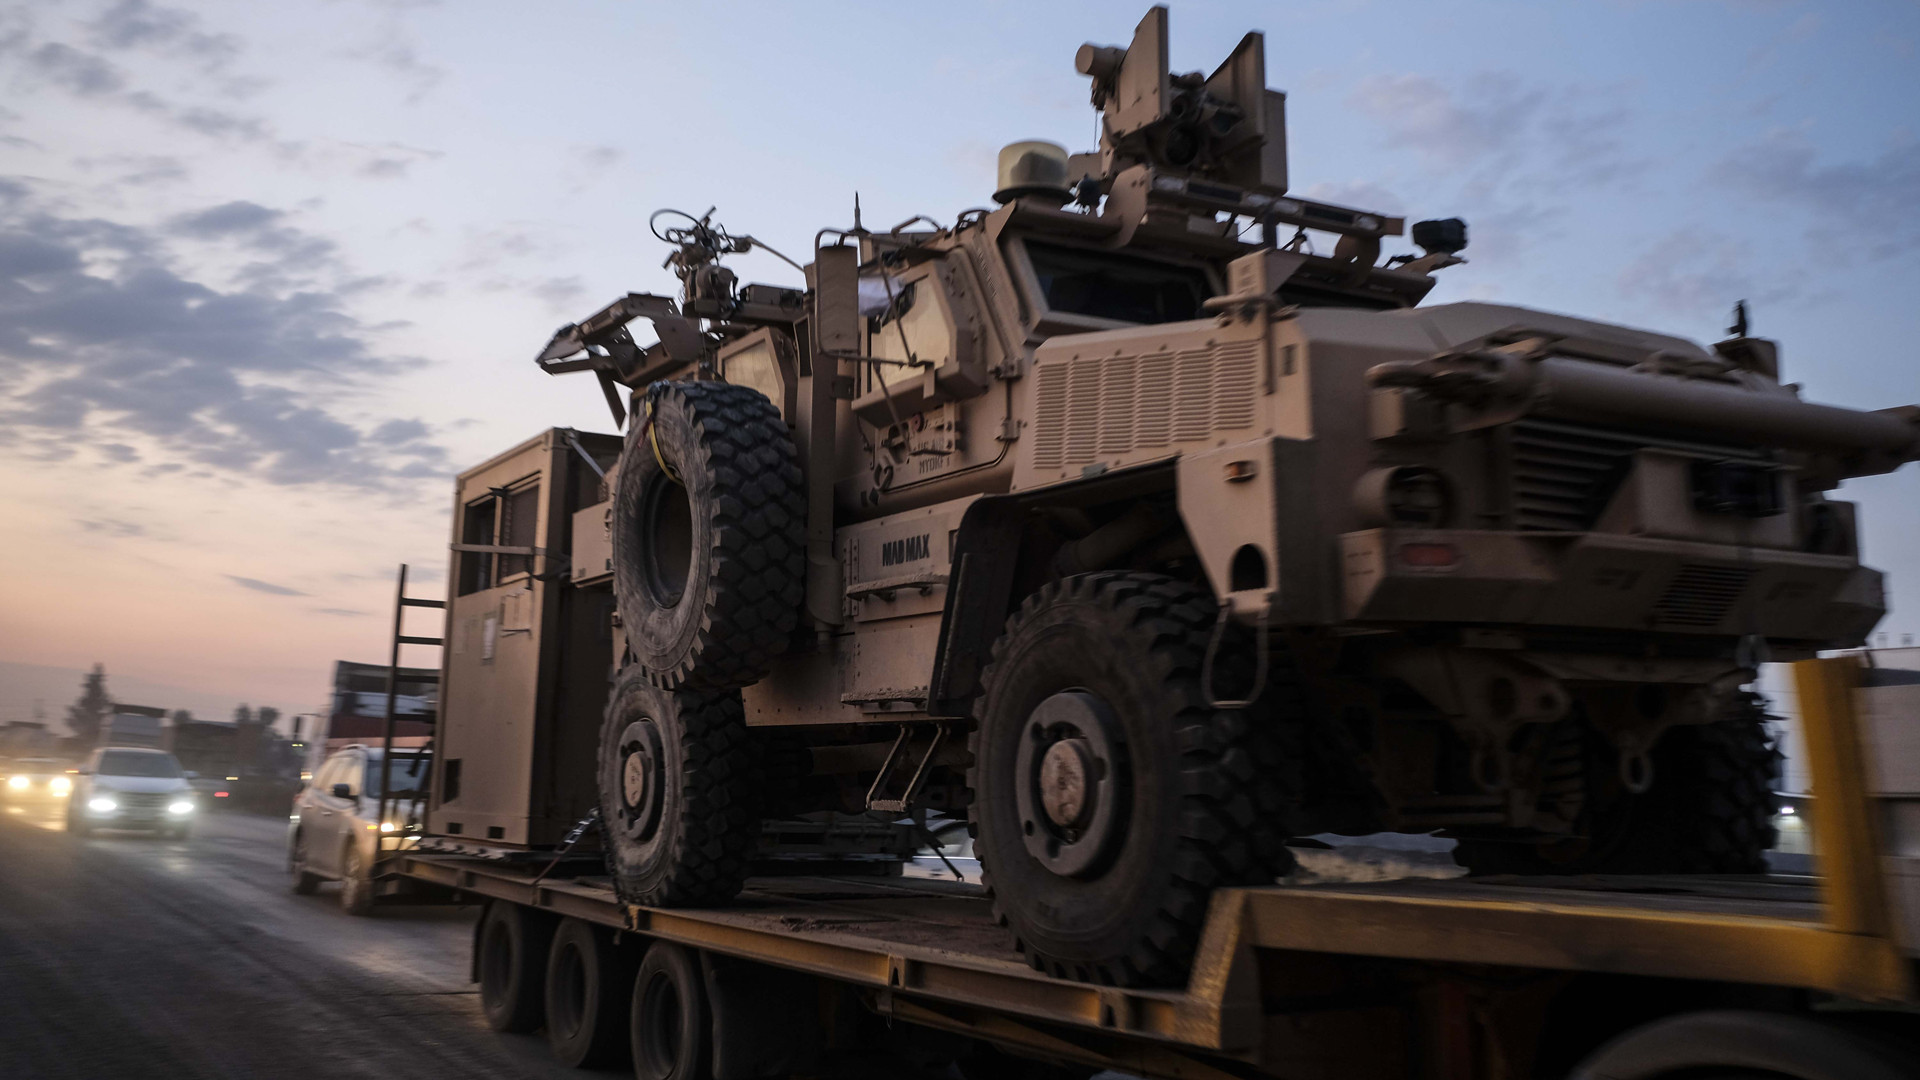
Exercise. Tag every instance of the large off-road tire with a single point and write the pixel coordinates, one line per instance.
(709, 536)
(1710, 809)
(1109, 799)
(679, 793)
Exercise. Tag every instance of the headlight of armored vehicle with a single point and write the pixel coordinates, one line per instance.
(1405, 496)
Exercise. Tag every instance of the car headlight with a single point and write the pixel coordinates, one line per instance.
(102, 805)
(18, 783)
(180, 806)
(60, 785)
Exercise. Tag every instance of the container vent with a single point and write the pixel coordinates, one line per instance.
(1094, 408)
(1563, 475)
(1701, 596)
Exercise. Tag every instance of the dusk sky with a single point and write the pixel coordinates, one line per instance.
(270, 274)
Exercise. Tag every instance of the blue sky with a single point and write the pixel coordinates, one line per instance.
(270, 273)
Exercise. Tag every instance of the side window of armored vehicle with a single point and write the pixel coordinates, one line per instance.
(756, 361)
(1119, 288)
(476, 567)
(500, 520)
(519, 524)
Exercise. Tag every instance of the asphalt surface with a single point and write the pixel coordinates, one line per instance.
(126, 956)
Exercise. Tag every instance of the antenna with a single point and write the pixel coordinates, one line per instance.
(1739, 327)
(858, 229)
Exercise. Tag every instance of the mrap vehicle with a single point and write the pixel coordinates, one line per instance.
(1148, 545)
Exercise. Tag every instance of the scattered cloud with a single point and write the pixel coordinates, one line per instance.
(403, 62)
(1697, 273)
(110, 527)
(342, 612)
(104, 333)
(1868, 203)
(267, 587)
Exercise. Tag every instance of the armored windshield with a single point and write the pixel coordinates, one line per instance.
(1119, 287)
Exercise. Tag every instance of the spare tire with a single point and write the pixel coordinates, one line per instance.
(709, 536)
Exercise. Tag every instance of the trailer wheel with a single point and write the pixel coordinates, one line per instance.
(709, 536)
(1737, 1045)
(586, 997)
(679, 793)
(669, 1020)
(1109, 799)
(1710, 810)
(512, 961)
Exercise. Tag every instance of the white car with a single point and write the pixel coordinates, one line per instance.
(122, 787)
(335, 831)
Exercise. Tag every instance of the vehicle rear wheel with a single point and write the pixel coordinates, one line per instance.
(709, 536)
(679, 793)
(512, 945)
(586, 996)
(356, 881)
(1710, 810)
(1109, 799)
(304, 881)
(669, 1020)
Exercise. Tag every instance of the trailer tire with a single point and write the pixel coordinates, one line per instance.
(679, 793)
(1710, 810)
(669, 1019)
(511, 962)
(1735, 1045)
(709, 536)
(1098, 679)
(588, 983)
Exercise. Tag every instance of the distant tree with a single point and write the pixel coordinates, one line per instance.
(182, 716)
(242, 715)
(267, 716)
(86, 716)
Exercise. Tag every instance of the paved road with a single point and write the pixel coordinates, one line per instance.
(124, 956)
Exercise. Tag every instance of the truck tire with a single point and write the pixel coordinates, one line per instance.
(587, 987)
(512, 945)
(709, 536)
(1710, 810)
(669, 1019)
(1734, 1045)
(1109, 799)
(679, 793)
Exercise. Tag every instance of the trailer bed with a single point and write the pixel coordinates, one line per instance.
(930, 951)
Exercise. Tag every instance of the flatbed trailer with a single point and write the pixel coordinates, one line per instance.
(1492, 977)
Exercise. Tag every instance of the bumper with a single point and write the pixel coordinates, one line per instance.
(1606, 581)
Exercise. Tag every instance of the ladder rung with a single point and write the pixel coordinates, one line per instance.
(404, 640)
(409, 601)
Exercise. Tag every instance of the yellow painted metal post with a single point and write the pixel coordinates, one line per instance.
(1844, 828)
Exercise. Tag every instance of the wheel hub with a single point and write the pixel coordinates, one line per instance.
(641, 781)
(1072, 791)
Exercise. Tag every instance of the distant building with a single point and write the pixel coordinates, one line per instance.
(25, 738)
(358, 712)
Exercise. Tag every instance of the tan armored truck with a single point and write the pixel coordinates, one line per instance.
(1154, 535)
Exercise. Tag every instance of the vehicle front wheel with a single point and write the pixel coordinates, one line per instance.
(356, 882)
(304, 881)
(1110, 799)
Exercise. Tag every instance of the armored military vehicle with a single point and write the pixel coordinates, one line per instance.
(1197, 538)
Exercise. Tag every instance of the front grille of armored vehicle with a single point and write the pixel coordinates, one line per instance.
(1561, 476)
(1102, 408)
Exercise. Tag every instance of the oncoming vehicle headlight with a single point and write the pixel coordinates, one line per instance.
(102, 805)
(386, 826)
(60, 785)
(180, 806)
(18, 783)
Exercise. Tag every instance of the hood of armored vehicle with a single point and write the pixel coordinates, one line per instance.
(1447, 326)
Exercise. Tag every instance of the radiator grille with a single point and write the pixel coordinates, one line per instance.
(1100, 407)
(1562, 476)
(1701, 596)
